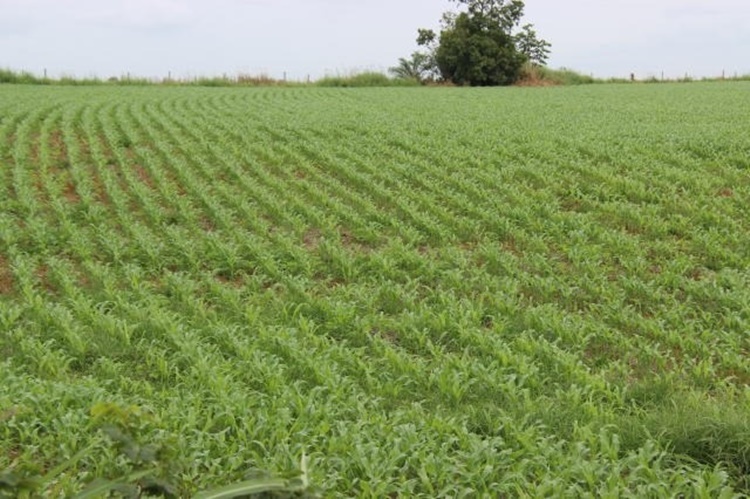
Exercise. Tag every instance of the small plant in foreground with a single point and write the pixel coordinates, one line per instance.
(150, 470)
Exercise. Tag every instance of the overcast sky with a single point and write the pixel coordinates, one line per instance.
(317, 37)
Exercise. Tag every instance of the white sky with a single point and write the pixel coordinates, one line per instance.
(317, 37)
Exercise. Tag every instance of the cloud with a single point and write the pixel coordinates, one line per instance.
(136, 14)
(17, 18)
(10, 28)
(24, 16)
(317, 36)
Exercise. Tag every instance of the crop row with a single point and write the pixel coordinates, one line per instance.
(426, 291)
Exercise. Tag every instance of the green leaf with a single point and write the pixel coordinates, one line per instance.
(127, 490)
(12, 484)
(247, 487)
(261, 484)
(132, 451)
(59, 469)
(116, 434)
(99, 487)
(9, 480)
(149, 453)
(158, 487)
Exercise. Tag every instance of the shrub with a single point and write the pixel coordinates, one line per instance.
(542, 75)
(366, 79)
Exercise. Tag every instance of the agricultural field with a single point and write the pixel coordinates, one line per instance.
(396, 292)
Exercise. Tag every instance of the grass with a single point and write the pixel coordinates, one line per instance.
(366, 79)
(545, 76)
(362, 79)
(531, 76)
(697, 427)
(375, 292)
(20, 77)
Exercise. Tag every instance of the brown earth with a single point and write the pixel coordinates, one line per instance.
(6, 277)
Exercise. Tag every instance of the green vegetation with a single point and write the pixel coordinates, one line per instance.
(417, 68)
(9, 76)
(413, 292)
(479, 46)
(532, 75)
(366, 79)
(409, 72)
(362, 79)
(27, 78)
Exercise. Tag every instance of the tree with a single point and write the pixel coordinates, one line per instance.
(534, 49)
(477, 51)
(419, 67)
(506, 15)
(477, 46)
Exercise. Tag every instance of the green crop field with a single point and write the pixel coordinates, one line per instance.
(399, 292)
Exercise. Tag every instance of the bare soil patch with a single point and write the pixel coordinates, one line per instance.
(42, 275)
(312, 239)
(70, 194)
(143, 175)
(6, 276)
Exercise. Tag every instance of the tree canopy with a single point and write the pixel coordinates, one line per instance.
(481, 44)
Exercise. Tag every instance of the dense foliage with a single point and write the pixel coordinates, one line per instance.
(478, 51)
(415, 292)
(479, 46)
